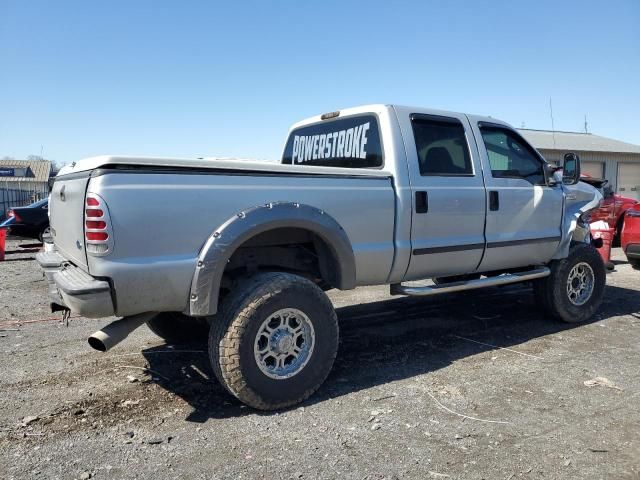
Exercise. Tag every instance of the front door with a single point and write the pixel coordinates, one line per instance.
(525, 214)
(447, 230)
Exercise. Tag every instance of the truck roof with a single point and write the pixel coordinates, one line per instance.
(401, 109)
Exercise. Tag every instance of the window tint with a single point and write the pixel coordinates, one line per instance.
(351, 142)
(442, 146)
(511, 157)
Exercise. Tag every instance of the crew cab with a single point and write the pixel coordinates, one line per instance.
(378, 194)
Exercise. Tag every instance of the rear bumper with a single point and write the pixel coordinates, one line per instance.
(633, 251)
(72, 287)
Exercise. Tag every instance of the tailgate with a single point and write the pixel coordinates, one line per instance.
(66, 210)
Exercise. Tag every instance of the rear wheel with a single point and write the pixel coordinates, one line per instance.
(573, 291)
(176, 327)
(275, 341)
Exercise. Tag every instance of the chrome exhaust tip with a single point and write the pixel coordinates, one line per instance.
(111, 335)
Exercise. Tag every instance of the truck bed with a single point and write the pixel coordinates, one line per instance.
(163, 211)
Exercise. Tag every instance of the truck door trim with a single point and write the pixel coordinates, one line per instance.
(511, 243)
(453, 248)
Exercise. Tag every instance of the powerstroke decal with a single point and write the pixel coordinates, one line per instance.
(352, 142)
(345, 143)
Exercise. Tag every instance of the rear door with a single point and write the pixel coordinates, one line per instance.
(525, 214)
(447, 230)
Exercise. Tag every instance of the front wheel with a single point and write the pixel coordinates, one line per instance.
(275, 341)
(573, 291)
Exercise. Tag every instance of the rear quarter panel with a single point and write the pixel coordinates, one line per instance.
(161, 221)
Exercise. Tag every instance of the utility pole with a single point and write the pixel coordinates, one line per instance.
(553, 129)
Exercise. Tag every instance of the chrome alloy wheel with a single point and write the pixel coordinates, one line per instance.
(284, 343)
(580, 283)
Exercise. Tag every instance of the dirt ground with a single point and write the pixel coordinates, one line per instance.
(469, 386)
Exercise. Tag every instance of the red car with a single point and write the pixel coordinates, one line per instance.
(631, 236)
(613, 206)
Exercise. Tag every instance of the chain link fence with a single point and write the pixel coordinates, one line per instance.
(14, 194)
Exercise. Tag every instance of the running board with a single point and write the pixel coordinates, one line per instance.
(505, 279)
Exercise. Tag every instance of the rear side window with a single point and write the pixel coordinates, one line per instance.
(351, 142)
(441, 145)
(510, 156)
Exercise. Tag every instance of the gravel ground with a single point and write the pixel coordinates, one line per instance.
(470, 386)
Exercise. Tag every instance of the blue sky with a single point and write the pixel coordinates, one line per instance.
(202, 78)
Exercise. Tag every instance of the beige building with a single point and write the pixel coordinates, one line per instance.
(23, 182)
(618, 162)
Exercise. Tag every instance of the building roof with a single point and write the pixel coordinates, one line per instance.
(40, 169)
(576, 141)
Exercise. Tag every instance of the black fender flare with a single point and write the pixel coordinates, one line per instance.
(228, 237)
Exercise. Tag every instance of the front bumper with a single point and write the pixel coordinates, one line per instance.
(75, 289)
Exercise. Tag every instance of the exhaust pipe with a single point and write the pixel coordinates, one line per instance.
(117, 331)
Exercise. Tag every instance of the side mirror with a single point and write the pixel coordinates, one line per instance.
(571, 169)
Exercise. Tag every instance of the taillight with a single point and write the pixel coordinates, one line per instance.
(97, 236)
(94, 212)
(96, 225)
(13, 214)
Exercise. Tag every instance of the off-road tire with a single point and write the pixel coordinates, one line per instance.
(234, 331)
(551, 292)
(178, 328)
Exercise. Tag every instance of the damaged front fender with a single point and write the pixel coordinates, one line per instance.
(578, 200)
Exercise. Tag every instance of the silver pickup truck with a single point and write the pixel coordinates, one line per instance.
(241, 252)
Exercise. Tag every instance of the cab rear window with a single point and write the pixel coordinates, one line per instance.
(351, 142)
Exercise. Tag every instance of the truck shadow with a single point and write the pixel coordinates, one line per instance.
(395, 339)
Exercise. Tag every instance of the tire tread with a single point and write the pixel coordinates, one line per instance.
(227, 331)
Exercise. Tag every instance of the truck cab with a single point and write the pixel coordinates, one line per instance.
(472, 194)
